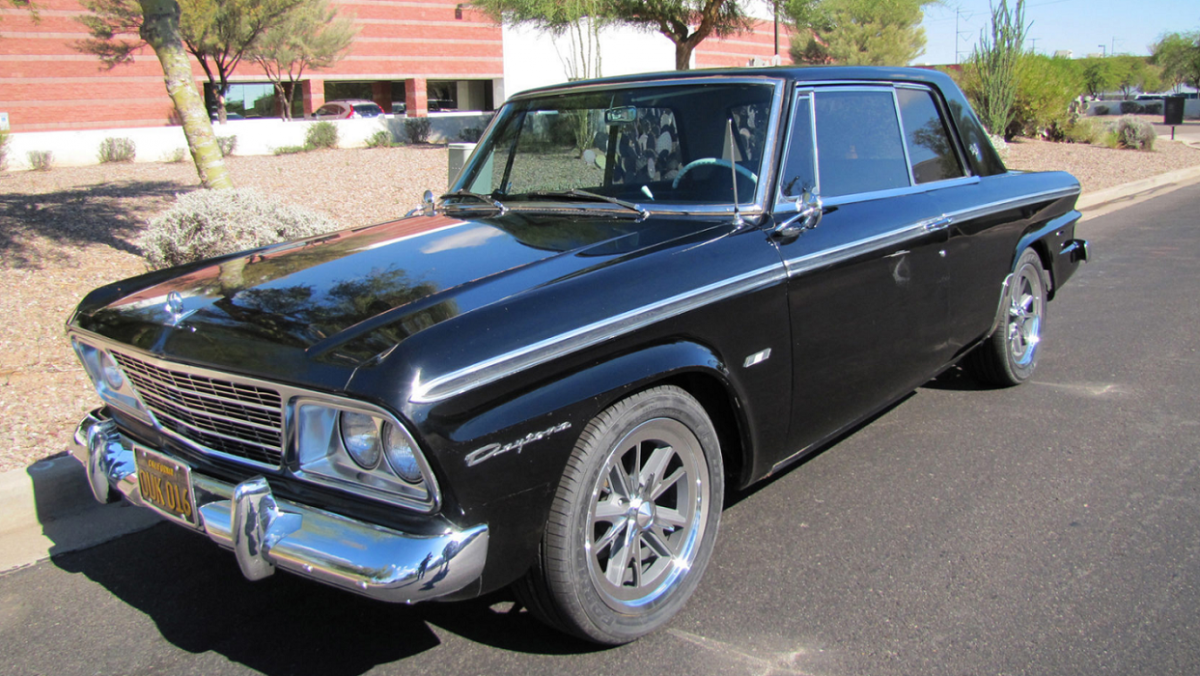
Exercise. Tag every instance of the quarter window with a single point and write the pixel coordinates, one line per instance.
(799, 174)
(929, 147)
(859, 145)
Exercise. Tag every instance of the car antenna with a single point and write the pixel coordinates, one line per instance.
(738, 221)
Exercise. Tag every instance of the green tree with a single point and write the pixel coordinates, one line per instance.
(996, 60)
(1100, 75)
(1178, 55)
(856, 32)
(686, 23)
(219, 33)
(1136, 74)
(312, 36)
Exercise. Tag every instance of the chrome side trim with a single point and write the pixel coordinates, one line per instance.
(504, 365)
(1012, 203)
(821, 259)
(266, 533)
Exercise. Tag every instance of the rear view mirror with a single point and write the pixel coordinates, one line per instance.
(623, 115)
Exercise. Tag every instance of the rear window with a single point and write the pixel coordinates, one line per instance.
(929, 147)
(368, 109)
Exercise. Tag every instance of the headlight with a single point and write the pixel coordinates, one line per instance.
(360, 434)
(398, 447)
(110, 371)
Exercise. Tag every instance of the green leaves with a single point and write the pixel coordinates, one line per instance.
(856, 32)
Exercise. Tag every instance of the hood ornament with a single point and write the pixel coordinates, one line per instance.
(174, 308)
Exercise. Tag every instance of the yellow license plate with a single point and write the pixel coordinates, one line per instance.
(166, 484)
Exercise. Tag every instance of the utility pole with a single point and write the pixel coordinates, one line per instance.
(1034, 41)
(957, 35)
(1102, 50)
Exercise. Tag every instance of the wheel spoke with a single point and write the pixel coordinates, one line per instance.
(637, 560)
(611, 536)
(652, 473)
(656, 543)
(618, 481)
(608, 511)
(618, 560)
(670, 517)
(666, 483)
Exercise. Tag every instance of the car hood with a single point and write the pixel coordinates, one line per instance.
(312, 311)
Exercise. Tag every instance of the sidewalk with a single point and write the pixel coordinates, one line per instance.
(47, 508)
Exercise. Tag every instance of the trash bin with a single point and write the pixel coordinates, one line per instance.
(1173, 110)
(459, 152)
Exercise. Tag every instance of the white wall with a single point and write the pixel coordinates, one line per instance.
(254, 137)
(534, 58)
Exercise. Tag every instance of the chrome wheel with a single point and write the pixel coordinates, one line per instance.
(648, 511)
(1025, 316)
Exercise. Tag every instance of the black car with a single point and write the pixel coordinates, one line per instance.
(640, 292)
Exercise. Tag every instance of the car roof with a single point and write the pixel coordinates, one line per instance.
(794, 73)
(352, 102)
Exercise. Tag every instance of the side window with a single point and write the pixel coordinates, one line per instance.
(929, 146)
(799, 174)
(859, 146)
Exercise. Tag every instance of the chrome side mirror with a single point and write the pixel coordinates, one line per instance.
(807, 217)
(426, 207)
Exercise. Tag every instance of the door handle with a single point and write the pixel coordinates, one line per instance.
(938, 224)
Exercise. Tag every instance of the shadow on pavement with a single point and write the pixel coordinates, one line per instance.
(199, 601)
(92, 214)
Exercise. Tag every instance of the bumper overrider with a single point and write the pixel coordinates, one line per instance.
(265, 533)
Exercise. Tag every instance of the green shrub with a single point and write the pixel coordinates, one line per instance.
(1046, 88)
(1130, 107)
(227, 144)
(117, 150)
(1101, 110)
(207, 223)
(1155, 108)
(5, 139)
(322, 134)
(175, 156)
(380, 139)
(417, 129)
(289, 150)
(470, 134)
(40, 160)
(1086, 130)
(1130, 132)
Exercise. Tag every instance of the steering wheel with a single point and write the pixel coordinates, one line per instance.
(705, 161)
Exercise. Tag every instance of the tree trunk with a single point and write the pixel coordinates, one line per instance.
(160, 29)
(683, 54)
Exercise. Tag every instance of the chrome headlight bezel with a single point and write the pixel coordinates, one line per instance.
(97, 361)
(320, 455)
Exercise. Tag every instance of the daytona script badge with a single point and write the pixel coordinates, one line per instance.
(492, 450)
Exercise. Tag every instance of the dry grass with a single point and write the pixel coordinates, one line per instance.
(69, 230)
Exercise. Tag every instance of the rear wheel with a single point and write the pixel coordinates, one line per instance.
(633, 522)
(1009, 356)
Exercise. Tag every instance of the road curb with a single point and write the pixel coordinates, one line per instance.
(1155, 184)
(47, 509)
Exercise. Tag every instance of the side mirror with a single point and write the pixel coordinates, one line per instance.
(806, 218)
(426, 207)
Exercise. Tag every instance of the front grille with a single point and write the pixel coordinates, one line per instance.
(220, 415)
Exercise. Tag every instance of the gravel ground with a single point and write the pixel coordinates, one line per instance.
(69, 230)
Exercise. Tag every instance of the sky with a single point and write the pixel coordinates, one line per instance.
(1080, 26)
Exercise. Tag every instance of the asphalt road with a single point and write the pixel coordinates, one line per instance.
(1047, 529)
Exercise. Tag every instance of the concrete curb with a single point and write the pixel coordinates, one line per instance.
(1155, 184)
(47, 508)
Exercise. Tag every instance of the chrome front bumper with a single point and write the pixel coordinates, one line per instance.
(265, 533)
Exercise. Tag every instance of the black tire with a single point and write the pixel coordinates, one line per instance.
(584, 583)
(1008, 357)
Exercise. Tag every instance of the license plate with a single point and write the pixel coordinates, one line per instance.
(166, 484)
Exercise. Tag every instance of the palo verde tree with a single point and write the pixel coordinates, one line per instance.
(686, 23)
(219, 33)
(856, 32)
(157, 23)
(995, 60)
(1178, 55)
(312, 36)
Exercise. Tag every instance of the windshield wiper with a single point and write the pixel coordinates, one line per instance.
(594, 197)
(488, 199)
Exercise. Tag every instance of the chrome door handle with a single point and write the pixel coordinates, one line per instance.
(938, 224)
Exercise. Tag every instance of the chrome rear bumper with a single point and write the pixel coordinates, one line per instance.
(265, 533)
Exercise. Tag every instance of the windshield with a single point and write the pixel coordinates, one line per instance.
(665, 144)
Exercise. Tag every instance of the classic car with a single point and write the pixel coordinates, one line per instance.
(639, 293)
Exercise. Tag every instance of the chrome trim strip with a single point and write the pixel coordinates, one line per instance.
(266, 533)
(912, 179)
(240, 440)
(1012, 203)
(809, 262)
(509, 363)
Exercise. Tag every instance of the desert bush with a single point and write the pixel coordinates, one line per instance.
(1101, 110)
(380, 139)
(1130, 107)
(321, 135)
(1086, 130)
(417, 129)
(227, 144)
(117, 150)
(40, 160)
(1155, 108)
(1046, 88)
(289, 150)
(175, 156)
(208, 223)
(1130, 132)
(470, 134)
(5, 138)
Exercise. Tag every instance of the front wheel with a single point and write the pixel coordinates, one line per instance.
(1009, 356)
(633, 522)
